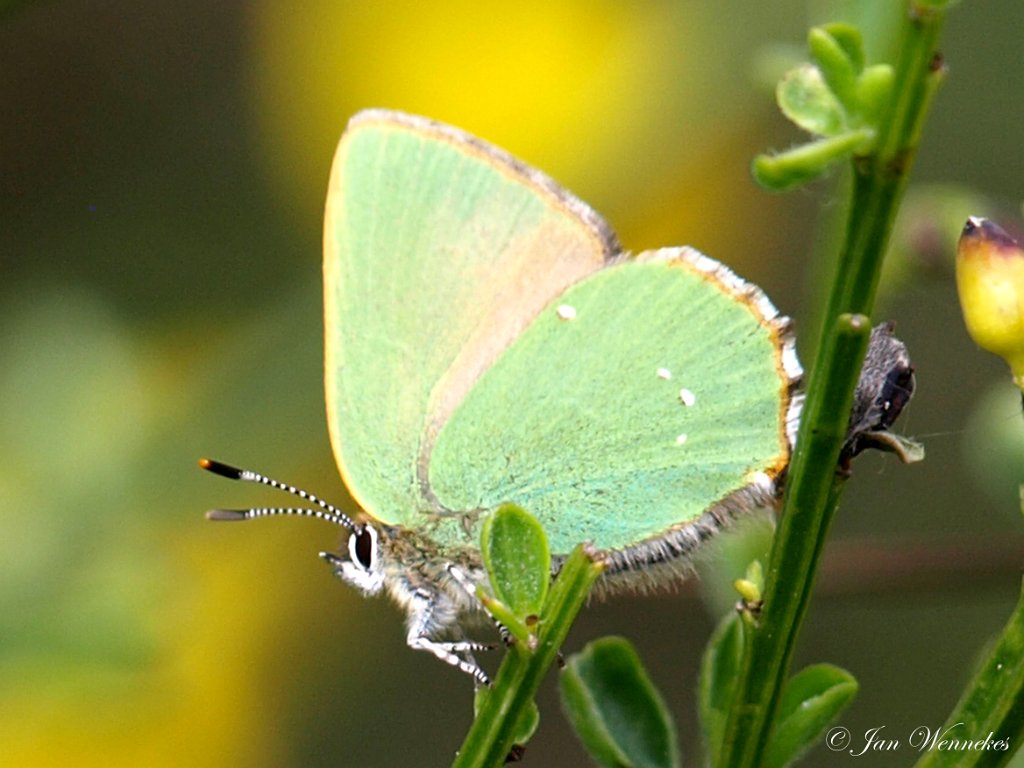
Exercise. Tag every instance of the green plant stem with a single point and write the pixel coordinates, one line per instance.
(804, 527)
(491, 736)
(813, 487)
(993, 703)
(880, 178)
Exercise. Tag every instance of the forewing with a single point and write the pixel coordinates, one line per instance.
(438, 251)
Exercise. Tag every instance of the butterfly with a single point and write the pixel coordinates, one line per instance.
(487, 340)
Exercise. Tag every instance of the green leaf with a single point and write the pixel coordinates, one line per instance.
(805, 98)
(528, 721)
(811, 699)
(808, 161)
(719, 671)
(839, 53)
(517, 558)
(615, 709)
(848, 37)
(874, 90)
(936, 6)
(527, 724)
(992, 705)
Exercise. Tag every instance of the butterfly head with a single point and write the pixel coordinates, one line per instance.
(362, 565)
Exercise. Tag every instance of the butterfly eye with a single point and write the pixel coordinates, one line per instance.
(362, 546)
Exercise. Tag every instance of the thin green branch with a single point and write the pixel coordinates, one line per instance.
(880, 178)
(813, 487)
(803, 528)
(493, 731)
(990, 714)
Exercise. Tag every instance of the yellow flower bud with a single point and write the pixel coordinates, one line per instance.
(990, 279)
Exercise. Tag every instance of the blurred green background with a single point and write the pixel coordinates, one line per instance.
(162, 174)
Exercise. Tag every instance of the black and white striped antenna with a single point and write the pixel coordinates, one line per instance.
(326, 511)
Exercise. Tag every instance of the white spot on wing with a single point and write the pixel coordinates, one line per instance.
(664, 373)
(681, 439)
(566, 312)
(686, 397)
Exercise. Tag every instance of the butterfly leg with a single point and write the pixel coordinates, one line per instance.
(423, 620)
(466, 583)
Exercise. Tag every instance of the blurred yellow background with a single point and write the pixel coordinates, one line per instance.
(162, 173)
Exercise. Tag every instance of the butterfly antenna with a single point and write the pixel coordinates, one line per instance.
(326, 511)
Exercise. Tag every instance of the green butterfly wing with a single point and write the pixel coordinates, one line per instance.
(438, 251)
(486, 342)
